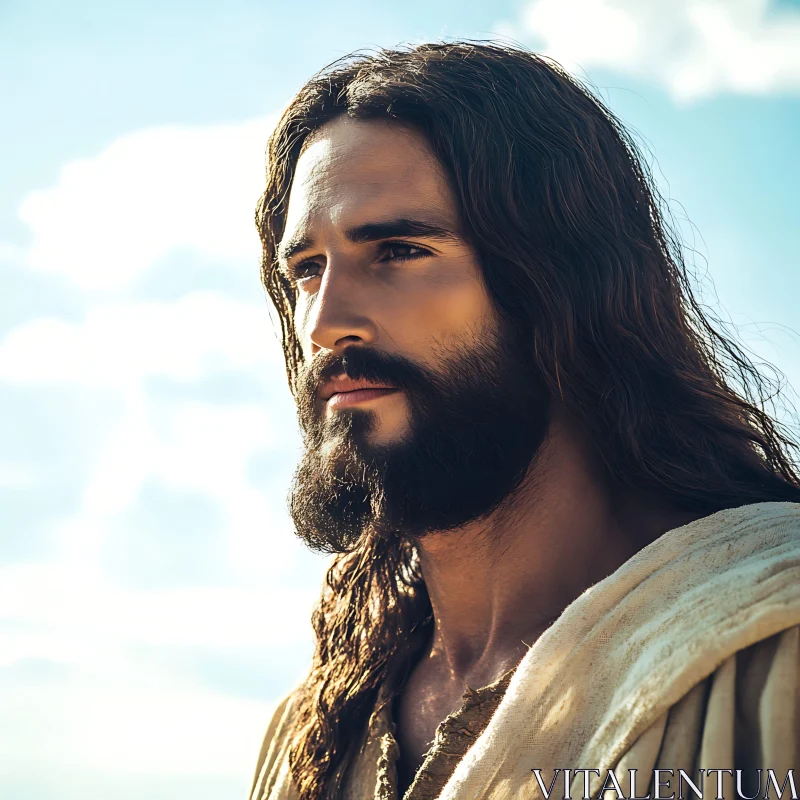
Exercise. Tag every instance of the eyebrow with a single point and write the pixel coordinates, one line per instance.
(373, 232)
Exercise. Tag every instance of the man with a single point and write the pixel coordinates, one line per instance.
(565, 540)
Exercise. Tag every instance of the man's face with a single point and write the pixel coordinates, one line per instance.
(420, 410)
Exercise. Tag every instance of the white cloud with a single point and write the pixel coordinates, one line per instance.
(119, 344)
(144, 196)
(111, 218)
(107, 222)
(695, 48)
(195, 448)
(185, 445)
(72, 614)
(16, 476)
(125, 724)
(105, 707)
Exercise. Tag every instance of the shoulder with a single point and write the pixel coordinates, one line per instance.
(745, 715)
(274, 746)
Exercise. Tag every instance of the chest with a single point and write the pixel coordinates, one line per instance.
(418, 712)
(436, 722)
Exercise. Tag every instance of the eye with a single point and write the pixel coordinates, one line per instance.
(299, 272)
(399, 251)
(304, 269)
(391, 251)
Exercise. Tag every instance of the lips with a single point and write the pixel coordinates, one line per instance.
(347, 399)
(344, 385)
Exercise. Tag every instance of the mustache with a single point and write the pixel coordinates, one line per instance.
(361, 363)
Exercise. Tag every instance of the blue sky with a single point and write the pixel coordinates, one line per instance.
(153, 601)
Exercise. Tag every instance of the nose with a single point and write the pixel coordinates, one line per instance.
(337, 314)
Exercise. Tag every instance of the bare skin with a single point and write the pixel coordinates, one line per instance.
(566, 530)
(495, 586)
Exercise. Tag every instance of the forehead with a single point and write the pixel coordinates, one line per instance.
(350, 170)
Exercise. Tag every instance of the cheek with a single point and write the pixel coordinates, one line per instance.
(302, 311)
(444, 310)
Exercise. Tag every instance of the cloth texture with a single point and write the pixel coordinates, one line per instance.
(376, 778)
(686, 657)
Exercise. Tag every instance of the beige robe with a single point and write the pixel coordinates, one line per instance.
(686, 657)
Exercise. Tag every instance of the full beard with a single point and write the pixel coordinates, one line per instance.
(476, 425)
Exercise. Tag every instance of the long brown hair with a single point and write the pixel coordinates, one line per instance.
(569, 229)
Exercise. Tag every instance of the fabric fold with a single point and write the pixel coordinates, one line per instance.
(687, 657)
(634, 644)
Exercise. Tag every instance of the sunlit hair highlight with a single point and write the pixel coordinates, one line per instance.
(559, 205)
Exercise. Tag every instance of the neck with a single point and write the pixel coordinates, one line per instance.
(497, 584)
